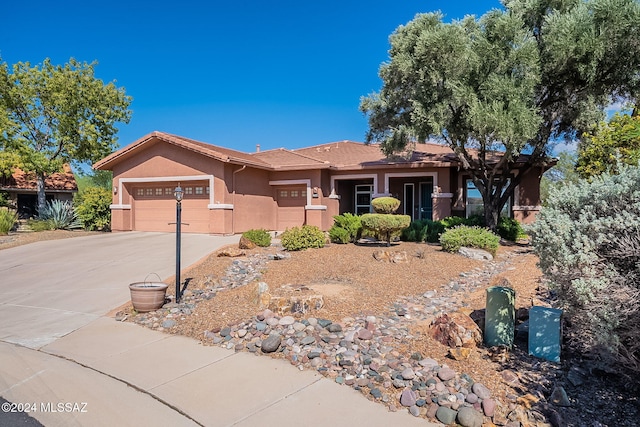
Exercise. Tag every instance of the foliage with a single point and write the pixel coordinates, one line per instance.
(298, 238)
(53, 114)
(346, 228)
(4, 199)
(472, 237)
(423, 230)
(587, 240)
(385, 205)
(563, 173)
(39, 224)
(8, 219)
(260, 237)
(98, 178)
(385, 226)
(512, 82)
(93, 208)
(609, 145)
(509, 229)
(60, 214)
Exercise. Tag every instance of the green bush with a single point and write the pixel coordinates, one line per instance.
(351, 225)
(8, 219)
(423, 230)
(39, 224)
(473, 237)
(588, 242)
(339, 235)
(60, 214)
(385, 205)
(93, 208)
(509, 229)
(260, 237)
(298, 238)
(385, 226)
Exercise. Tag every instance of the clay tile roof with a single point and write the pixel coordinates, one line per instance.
(349, 154)
(20, 180)
(281, 158)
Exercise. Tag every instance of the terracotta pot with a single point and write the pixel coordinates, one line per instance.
(147, 296)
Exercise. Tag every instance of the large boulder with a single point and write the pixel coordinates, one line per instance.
(246, 243)
(456, 330)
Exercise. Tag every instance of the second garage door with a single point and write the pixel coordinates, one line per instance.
(291, 202)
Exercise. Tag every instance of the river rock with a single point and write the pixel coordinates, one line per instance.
(469, 417)
(475, 253)
(446, 415)
(271, 344)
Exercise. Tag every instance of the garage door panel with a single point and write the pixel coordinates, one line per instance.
(291, 202)
(158, 214)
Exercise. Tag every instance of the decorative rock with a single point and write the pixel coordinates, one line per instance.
(481, 391)
(246, 243)
(334, 327)
(408, 397)
(456, 330)
(474, 253)
(286, 321)
(415, 411)
(469, 417)
(446, 415)
(365, 334)
(376, 393)
(472, 398)
(459, 353)
(510, 377)
(446, 374)
(408, 374)
(559, 397)
(308, 340)
(271, 344)
(489, 407)
(169, 323)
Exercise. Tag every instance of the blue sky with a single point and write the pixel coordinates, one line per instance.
(236, 73)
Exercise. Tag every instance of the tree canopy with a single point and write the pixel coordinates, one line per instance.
(513, 81)
(56, 114)
(610, 145)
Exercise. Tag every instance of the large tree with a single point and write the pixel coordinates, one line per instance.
(610, 145)
(56, 114)
(512, 82)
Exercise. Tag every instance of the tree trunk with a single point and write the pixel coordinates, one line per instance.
(491, 216)
(42, 199)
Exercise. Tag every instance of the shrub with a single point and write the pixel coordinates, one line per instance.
(260, 237)
(475, 237)
(587, 239)
(385, 226)
(423, 230)
(39, 224)
(92, 207)
(8, 219)
(298, 238)
(509, 229)
(385, 205)
(351, 225)
(61, 215)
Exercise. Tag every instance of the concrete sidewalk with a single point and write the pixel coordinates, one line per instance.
(131, 376)
(77, 367)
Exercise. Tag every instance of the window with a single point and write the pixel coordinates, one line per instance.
(284, 193)
(139, 191)
(294, 193)
(168, 191)
(363, 199)
(188, 190)
(158, 191)
(199, 190)
(148, 191)
(208, 190)
(475, 205)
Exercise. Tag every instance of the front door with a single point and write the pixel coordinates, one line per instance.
(426, 203)
(408, 200)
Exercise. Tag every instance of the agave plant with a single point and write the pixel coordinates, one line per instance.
(60, 214)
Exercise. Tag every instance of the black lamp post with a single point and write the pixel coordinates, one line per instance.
(178, 193)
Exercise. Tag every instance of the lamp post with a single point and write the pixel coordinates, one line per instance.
(178, 193)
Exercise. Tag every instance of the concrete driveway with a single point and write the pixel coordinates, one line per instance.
(49, 289)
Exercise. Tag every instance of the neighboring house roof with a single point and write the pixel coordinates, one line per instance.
(20, 180)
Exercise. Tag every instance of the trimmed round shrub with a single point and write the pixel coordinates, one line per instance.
(509, 229)
(385, 205)
(385, 226)
(260, 237)
(305, 237)
(472, 237)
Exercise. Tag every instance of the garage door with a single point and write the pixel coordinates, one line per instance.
(154, 208)
(291, 202)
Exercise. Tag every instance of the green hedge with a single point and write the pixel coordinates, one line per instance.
(346, 228)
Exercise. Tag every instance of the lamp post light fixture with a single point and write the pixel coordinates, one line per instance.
(178, 193)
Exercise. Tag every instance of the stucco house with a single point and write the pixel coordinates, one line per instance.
(21, 187)
(229, 191)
